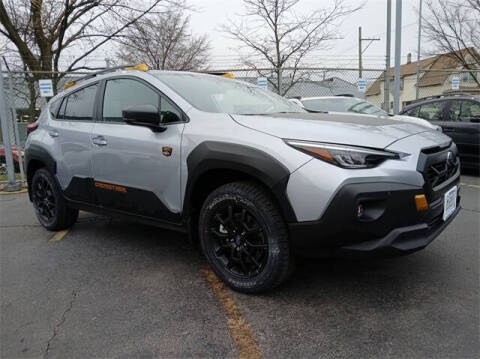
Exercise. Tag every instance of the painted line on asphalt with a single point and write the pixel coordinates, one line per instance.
(2, 193)
(59, 236)
(240, 331)
(470, 185)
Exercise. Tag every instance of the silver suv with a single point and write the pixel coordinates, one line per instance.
(255, 179)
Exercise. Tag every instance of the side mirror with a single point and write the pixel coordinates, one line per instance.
(143, 115)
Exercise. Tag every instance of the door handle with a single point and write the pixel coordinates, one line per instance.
(53, 133)
(448, 129)
(99, 141)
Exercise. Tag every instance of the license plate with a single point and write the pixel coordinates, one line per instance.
(449, 202)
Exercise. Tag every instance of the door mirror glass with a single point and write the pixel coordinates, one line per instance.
(143, 115)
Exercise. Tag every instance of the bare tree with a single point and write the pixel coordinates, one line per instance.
(273, 31)
(43, 31)
(165, 42)
(453, 28)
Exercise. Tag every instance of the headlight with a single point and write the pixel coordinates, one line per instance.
(345, 156)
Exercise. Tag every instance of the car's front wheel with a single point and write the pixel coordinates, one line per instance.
(244, 237)
(50, 207)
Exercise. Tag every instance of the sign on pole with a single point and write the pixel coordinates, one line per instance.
(361, 85)
(455, 83)
(46, 88)
(262, 82)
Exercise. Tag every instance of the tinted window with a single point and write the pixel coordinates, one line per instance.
(169, 113)
(412, 112)
(123, 93)
(79, 105)
(54, 106)
(466, 111)
(432, 111)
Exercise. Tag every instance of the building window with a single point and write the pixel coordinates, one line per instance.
(469, 77)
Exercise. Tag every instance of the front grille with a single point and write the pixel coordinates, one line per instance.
(437, 165)
(440, 172)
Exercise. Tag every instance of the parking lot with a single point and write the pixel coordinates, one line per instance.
(109, 288)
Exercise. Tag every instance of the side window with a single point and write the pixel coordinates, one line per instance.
(123, 93)
(54, 106)
(454, 110)
(469, 111)
(413, 112)
(169, 113)
(432, 111)
(78, 106)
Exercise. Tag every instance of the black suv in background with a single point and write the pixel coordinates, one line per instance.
(459, 117)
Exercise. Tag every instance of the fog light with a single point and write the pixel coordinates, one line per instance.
(421, 202)
(360, 211)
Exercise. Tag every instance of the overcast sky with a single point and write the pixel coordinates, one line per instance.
(212, 14)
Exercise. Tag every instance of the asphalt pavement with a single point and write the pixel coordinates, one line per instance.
(110, 288)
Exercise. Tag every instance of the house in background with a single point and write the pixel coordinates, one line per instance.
(435, 78)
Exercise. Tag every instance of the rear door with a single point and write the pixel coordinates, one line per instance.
(69, 137)
(137, 170)
(464, 127)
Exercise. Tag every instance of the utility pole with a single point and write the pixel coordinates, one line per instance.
(11, 185)
(386, 92)
(398, 49)
(418, 49)
(361, 51)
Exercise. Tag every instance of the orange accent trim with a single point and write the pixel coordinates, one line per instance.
(110, 187)
(421, 202)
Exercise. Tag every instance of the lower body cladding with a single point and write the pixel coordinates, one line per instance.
(373, 219)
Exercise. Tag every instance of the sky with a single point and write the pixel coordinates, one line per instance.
(211, 14)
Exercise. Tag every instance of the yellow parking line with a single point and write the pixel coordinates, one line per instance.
(239, 328)
(59, 236)
(470, 185)
(2, 193)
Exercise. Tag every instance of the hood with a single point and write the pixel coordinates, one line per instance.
(357, 130)
(417, 121)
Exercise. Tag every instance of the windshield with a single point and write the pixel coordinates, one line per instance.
(342, 104)
(211, 93)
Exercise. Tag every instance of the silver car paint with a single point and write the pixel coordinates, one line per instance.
(135, 159)
(327, 128)
(311, 188)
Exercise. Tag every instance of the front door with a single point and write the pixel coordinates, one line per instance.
(136, 170)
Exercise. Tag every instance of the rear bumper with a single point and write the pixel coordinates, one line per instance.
(392, 226)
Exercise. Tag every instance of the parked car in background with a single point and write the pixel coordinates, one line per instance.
(14, 155)
(344, 104)
(459, 117)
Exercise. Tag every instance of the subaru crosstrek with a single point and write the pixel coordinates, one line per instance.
(255, 179)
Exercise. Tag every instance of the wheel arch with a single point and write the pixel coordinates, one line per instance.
(212, 164)
(37, 157)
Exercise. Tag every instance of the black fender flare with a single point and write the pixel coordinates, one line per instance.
(213, 155)
(38, 153)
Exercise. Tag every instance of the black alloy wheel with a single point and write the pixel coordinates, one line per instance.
(239, 240)
(44, 200)
(244, 237)
(51, 208)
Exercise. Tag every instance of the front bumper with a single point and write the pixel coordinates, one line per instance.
(391, 224)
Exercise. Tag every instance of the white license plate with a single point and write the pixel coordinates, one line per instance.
(449, 202)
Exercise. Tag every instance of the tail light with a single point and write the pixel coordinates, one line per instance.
(31, 127)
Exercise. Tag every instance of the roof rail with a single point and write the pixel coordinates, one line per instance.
(139, 67)
(442, 95)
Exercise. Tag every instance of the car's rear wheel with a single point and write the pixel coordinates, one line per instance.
(50, 207)
(244, 237)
